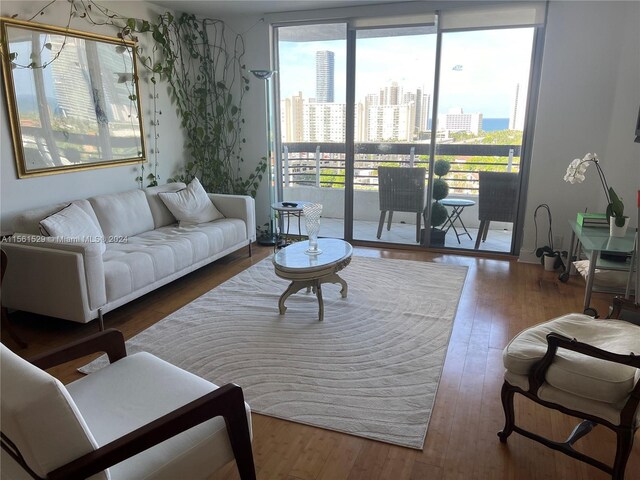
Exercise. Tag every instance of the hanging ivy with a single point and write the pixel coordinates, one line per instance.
(207, 82)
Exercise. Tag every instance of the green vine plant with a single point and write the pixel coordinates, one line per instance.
(207, 82)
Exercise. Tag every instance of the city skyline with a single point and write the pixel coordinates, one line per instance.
(391, 114)
(479, 70)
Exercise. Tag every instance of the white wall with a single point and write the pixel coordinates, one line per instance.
(588, 102)
(20, 194)
(589, 99)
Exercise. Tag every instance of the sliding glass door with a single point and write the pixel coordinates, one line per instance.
(482, 101)
(409, 133)
(394, 74)
(312, 80)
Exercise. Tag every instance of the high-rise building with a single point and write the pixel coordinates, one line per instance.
(458, 121)
(292, 118)
(390, 123)
(324, 122)
(325, 62)
(518, 109)
(423, 106)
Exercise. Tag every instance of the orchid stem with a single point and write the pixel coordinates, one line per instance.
(603, 180)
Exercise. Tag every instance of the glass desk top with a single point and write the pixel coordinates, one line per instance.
(597, 238)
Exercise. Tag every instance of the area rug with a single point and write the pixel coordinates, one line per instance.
(371, 368)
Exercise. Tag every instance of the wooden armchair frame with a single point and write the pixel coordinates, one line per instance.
(625, 431)
(226, 401)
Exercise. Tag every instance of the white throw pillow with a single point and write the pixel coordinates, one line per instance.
(191, 205)
(74, 224)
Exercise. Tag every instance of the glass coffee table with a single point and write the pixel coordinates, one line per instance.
(311, 271)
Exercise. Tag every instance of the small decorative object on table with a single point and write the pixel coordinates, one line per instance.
(618, 222)
(312, 212)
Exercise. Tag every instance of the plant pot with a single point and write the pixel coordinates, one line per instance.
(616, 231)
(437, 237)
(549, 262)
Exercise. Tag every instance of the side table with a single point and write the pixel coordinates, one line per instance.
(288, 209)
(457, 205)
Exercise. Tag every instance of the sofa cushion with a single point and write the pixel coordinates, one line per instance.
(72, 223)
(133, 392)
(162, 216)
(40, 417)
(29, 220)
(191, 205)
(575, 373)
(123, 214)
(156, 254)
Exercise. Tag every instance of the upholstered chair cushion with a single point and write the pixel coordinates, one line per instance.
(72, 224)
(162, 216)
(574, 380)
(191, 205)
(40, 417)
(138, 389)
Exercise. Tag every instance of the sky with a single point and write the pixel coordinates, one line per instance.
(479, 69)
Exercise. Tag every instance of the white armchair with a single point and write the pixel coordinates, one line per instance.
(139, 417)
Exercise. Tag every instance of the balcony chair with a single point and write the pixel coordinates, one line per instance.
(138, 417)
(497, 200)
(584, 367)
(401, 190)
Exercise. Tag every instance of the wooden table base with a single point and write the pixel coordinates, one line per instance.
(314, 285)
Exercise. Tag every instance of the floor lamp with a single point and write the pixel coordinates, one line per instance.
(268, 238)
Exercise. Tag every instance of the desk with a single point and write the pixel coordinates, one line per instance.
(458, 205)
(289, 212)
(594, 240)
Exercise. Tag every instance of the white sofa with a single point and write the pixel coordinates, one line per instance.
(145, 249)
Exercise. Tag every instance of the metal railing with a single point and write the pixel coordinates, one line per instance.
(323, 164)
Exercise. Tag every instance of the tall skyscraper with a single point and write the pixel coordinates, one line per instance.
(325, 61)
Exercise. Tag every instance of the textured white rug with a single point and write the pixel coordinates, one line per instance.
(371, 368)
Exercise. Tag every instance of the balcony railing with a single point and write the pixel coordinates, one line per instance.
(323, 164)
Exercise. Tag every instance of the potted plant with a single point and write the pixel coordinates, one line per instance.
(618, 222)
(439, 213)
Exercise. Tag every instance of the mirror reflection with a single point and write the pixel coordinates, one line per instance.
(73, 99)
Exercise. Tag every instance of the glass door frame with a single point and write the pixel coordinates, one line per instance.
(349, 141)
(352, 31)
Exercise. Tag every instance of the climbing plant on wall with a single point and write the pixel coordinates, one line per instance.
(207, 83)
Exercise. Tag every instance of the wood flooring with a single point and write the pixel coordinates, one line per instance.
(500, 298)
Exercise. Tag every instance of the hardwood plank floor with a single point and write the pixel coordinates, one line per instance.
(500, 298)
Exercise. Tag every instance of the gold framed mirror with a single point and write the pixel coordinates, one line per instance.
(72, 98)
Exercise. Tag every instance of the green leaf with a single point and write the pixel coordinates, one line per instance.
(13, 56)
(47, 46)
(219, 109)
(131, 23)
(146, 26)
(159, 37)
